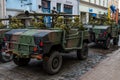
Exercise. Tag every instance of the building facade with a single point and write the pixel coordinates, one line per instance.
(2, 9)
(67, 6)
(18, 6)
(41, 6)
(92, 8)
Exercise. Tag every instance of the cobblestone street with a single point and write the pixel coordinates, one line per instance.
(71, 69)
(106, 70)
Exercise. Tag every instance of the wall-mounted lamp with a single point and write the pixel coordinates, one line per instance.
(39, 6)
(54, 8)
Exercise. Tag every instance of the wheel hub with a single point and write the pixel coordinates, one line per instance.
(5, 54)
(55, 63)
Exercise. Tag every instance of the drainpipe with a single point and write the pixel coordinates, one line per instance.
(30, 6)
(78, 7)
(2, 9)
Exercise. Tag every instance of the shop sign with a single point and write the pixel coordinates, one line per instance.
(68, 6)
(90, 10)
(69, 2)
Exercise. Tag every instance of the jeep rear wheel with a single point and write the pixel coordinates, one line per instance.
(115, 41)
(107, 43)
(20, 61)
(83, 53)
(93, 37)
(52, 64)
(4, 57)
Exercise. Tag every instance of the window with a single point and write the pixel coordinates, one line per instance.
(89, 0)
(58, 7)
(103, 3)
(107, 3)
(99, 2)
(68, 9)
(95, 1)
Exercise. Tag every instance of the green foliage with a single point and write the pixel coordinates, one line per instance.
(94, 21)
(77, 23)
(1, 25)
(38, 23)
(104, 20)
(60, 24)
(15, 23)
(69, 22)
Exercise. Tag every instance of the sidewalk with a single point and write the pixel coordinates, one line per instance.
(108, 69)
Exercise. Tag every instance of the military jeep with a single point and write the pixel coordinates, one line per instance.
(103, 36)
(47, 44)
(105, 30)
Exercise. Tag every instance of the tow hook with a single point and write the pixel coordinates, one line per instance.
(39, 56)
(9, 52)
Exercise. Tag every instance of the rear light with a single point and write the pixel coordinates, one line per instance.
(5, 39)
(105, 33)
(100, 35)
(35, 49)
(41, 44)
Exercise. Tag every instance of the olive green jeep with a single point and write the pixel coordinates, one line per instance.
(47, 44)
(105, 30)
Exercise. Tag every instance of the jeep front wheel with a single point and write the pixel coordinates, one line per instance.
(52, 64)
(5, 57)
(83, 53)
(20, 61)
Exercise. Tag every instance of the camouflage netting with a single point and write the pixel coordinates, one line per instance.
(95, 21)
(15, 23)
(69, 22)
(107, 21)
(104, 20)
(38, 23)
(60, 23)
(1, 25)
(92, 21)
(77, 23)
